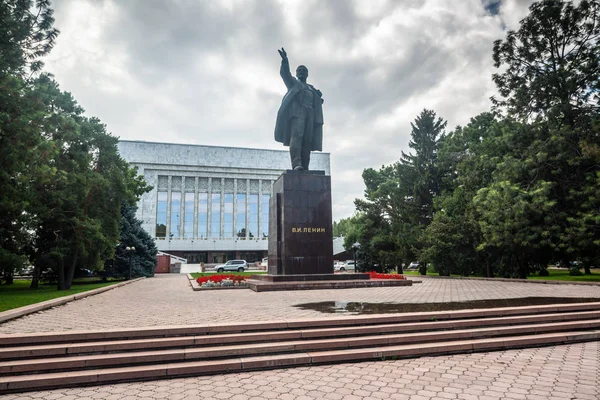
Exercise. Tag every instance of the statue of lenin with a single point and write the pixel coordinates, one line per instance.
(300, 116)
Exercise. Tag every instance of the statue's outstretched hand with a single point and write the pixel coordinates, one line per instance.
(283, 54)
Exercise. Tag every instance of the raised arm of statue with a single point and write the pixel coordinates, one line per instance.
(284, 71)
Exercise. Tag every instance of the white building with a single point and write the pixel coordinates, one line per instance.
(209, 204)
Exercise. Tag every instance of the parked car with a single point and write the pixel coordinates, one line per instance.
(232, 265)
(414, 265)
(348, 265)
(339, 266)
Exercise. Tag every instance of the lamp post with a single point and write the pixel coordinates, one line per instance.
(130, 251)
(355, 247)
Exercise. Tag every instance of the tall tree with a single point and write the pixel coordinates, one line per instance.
(143, 260)
(551, 67)
(399, 197)
(419, 170)
(26, 34)
(80, 208)
(466, 161)
(551, 81)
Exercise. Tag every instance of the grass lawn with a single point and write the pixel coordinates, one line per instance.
(18, 294)
(200, 274)
(563, 275)
(555, 275)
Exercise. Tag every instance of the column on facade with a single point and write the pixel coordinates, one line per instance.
(259, 233)
(168, 233)
(221, 210)
(195, 235)
(247, 209)
(209, 209)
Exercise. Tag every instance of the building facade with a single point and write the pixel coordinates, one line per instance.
(209, 204)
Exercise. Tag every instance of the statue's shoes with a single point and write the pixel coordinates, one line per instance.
(298, 168)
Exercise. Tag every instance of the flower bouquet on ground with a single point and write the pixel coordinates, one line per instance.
(221, 280)
(377, 275)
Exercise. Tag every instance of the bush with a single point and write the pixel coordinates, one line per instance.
(574, 271)
(543, 272)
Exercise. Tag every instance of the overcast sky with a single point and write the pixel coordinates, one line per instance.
(207, 72)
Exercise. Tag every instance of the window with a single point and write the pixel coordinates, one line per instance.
(188, 216)
(215, 217)
(228, 215)
(175, 215)
(202, 215)
(253, 216)
(240, 216)
(264, 215)
(161, 215)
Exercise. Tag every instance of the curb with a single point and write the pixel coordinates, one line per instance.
(44, 305)
(543, 282)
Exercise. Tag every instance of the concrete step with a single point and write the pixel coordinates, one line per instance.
(84, 358)
(111, 346)
(236, 364)
(260, 326)
(284, 346)
(127, 345)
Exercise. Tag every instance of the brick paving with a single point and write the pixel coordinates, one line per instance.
(169, 300)
(548, 373)
(557, 372)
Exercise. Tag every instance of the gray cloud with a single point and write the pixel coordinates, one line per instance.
(207, 72)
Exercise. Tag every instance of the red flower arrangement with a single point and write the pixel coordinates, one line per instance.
(220, 277)
(377, 275)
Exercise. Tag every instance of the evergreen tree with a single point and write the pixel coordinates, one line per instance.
(143, 260)
(26, 34)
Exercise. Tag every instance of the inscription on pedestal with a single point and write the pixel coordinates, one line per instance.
(300, 214)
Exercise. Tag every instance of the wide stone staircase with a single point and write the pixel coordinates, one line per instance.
(50, 360)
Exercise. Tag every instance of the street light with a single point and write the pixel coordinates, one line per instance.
(355, 247)
(130, 251)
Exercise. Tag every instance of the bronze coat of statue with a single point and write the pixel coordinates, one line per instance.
(300, 116)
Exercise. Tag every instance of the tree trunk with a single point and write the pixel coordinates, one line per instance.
(489, 272)
(586, 268)
(522, 271)
(71, 270)
(35, 279)
(61, 274)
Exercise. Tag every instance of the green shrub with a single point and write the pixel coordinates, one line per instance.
(574, 271)
(544, 272)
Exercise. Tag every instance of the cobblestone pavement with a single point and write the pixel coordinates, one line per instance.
(549, 373)
(169, 300)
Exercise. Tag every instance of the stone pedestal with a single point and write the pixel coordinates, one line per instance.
(300, 239)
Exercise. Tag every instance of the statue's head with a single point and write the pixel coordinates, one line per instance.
(302, 72)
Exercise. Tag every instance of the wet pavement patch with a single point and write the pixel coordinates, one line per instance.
(357, 308)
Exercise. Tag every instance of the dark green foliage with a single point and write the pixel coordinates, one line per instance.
(143, 259)
(517, 188)
(61, 178)
(398, 201)
(551, 64)
(574, 271)
(544, 272)
(26, 35)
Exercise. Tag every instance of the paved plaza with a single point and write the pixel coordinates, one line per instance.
(557, 372)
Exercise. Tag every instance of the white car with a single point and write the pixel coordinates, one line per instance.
(348, 265)
(232, 265)
(414, 265)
